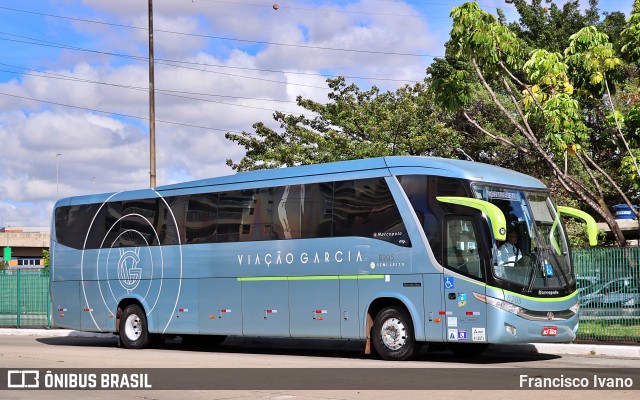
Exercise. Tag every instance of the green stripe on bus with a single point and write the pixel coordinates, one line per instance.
(540, 299)
(308, 278)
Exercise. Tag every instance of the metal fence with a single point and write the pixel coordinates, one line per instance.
(609, 294)
(24, 298)
(607, 281)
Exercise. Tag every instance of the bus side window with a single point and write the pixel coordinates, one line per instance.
(416, 187)
(317, 210)
(461, 249)
(201, 218)
(287, 211)
(366, 208)
(303, 211)
(230, 208)
(257, 220)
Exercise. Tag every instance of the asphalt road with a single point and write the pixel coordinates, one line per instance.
(334, 369)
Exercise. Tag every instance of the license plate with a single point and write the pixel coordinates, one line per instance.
(549, 331)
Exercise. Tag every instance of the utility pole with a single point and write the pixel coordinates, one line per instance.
(152, 105)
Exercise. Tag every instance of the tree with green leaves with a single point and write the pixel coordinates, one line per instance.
(549, 94)
(352, 124)
(45, 260)
(545, 25)
(542, 95)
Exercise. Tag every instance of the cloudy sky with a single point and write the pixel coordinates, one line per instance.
(74, 82)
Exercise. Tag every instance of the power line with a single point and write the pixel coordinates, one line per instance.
(173, 63)
(117, 114)
(172, 93)
(227, 38)
(306, 9)
(178, 63)
(426, 3)
(168, 91)
(34, 41)
(295, 72)
(287, 7)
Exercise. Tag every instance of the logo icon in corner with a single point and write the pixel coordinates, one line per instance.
(129, 273)
(20, 379)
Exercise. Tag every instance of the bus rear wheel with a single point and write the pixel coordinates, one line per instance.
(133, 328)
(393, 336)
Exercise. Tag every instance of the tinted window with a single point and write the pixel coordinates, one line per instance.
(422, 191)
(288, 207)
(461, 245)
(257, 214)
(416, 187)
(349, 208)
(451, 187)
(200, 217)
(136, 226)
(366, 208)
(317, 210)
(231, 207)
(72, 223)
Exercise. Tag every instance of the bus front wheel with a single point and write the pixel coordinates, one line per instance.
(393, 336)
(133, 328)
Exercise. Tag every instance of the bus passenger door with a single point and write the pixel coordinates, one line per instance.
(465, 274)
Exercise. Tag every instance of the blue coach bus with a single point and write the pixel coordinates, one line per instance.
(397, 251)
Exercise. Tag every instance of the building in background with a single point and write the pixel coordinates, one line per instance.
(21, 247)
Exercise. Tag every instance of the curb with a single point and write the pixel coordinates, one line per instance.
(574, 349)
(615, 351)
(52, 333)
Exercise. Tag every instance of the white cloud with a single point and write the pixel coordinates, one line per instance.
(111, 152)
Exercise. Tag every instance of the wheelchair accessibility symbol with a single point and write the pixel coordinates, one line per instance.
(448, 282)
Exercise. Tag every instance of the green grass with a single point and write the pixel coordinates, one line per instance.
(619, 330)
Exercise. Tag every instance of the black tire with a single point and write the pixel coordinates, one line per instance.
(133, 328)
(393, 336)
(468, 349)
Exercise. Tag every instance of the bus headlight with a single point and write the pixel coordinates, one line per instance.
(575, 308)
(501, 304)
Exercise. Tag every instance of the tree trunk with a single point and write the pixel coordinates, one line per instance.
(613, 224)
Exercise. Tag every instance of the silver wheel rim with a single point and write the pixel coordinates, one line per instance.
(133, 327)
(394, 334)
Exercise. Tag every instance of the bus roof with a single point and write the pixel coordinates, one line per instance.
(397, 164)
(453, 168)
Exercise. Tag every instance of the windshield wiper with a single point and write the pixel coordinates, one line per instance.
(544, 254)
(536, 267)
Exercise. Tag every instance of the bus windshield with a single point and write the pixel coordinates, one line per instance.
(535, 256)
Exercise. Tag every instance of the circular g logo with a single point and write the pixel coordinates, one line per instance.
(126, 259)
(128, 272)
